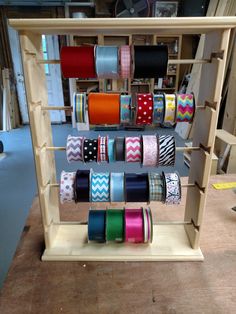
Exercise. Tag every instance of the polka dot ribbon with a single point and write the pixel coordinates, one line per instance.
(125, 62)
(185, 108)
(144, 109)
(133, 149)
(74, 150)
(172, 188)
(150, 150)
(158, 108)
(90, 150)
(170, 107)
(102, 148)
(66, 187)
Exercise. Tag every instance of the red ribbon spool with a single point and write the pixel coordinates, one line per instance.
(78, 62)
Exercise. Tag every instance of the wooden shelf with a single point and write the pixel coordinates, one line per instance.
(170, 243)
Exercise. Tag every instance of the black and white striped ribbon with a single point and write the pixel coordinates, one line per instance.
(166, 150)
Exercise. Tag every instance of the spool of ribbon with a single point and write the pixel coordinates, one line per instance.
(110, 148)
(125, 108)
(166, 150)
(150, 224)
(78, 62)
(90, 150)
(66, 187)
(120, 148)
(104, 108)
(134, 230)
(185, 108)
(146, 229)
(81, 186)
(74, 148)
(150, 150)
(156, 187)
(158, 108)
(107, 62)
(133, 149)
(144, 109)
(100, 187)
(136, 187)
(102, 148)
(172, 188)
(79, 107)
(150, 61)
(125, 62)
(115, 225)
(170, 108)
(117, 187)
(97, 225)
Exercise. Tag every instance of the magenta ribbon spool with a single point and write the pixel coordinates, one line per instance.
(134, 229)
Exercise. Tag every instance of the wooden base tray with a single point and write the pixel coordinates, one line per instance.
(170, 243)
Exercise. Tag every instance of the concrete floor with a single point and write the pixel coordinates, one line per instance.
(18, 182)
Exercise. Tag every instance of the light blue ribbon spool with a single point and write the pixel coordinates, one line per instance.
(111, 156)
(117, 187)
(107, 62)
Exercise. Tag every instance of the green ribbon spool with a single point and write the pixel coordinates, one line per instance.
(115, 225)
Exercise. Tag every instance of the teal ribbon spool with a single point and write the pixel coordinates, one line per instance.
(117, 187)
(111, 156)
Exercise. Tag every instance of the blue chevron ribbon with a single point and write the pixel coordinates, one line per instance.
(100, 187)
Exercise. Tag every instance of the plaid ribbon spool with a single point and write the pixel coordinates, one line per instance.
(156, 187)
(79, 107)
(172, 188)
(125, 62)
(185, 108)
(170, 108)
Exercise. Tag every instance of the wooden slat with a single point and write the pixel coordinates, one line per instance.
(195, 204)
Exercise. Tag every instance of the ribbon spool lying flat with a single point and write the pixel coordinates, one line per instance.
(144, 109)
(172, 188)
(156, 187)
(120, 148)
(102, 148)
(117, 187)
(185, 108)
(81, 186)
(115, 225)
(107, 62)
(66, 187)
(170, 108)
(74, 148)
(166, 150)
(136, 187)
(79, 107)
(78, 62)
(134, 229)
(125, 62)
(150, 150)
(100, 187)
(90, 149)
(133, 151)
(110, 149)
(150, 61)
(158, 108)
(104, 108)
(97, 225)
(125, 108)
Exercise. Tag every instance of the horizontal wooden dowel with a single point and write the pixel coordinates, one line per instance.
(55, 148)
(187, 185)
(170, 61)
(57, 108)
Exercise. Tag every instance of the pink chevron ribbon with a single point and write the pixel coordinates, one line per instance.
(150, 150)
(125, 61)
(185, 108)
(133, 149)
(74, 148)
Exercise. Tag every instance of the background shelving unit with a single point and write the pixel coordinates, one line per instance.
(67, 240)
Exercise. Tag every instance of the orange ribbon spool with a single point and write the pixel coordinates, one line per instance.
(104, 108)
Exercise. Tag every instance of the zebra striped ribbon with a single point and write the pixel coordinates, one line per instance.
(100, 187)
(158, 108)
(156, 187)
(74, 148)
(79, 107)
(166, 150)
(185, 107)
(102, 148)
(117, 187)
(172, 188)
(125, 108)
(133, 149)
(150, 150)
(66, 187)
(170, 108)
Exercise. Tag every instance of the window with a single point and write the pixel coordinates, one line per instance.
(45, 53)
